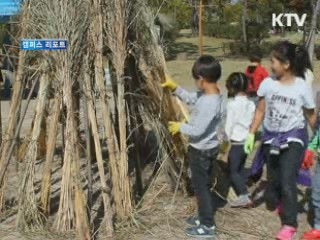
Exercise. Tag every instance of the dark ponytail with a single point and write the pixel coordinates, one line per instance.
(296, 55)
(237, 82)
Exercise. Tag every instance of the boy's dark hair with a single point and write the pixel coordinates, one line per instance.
(208, 68)
(255, 57)
(296, 55)
(237, 82)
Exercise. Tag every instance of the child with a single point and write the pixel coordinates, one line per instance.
(283, 102)
(202, 131)
(240, 113)
(314, 147)
(256, 73)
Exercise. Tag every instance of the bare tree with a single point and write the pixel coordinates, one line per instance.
(244, 21)
(310, 43)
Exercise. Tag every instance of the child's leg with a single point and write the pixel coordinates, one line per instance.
(290, 162)
(200, 164)
(237, 159)
(272, 193)
(316, 197)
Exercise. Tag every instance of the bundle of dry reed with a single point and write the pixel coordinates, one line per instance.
(122, 31)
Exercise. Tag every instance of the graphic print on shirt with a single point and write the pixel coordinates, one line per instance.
(279, 108)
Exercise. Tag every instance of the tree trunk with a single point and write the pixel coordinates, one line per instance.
(310, 44)
(244, 23)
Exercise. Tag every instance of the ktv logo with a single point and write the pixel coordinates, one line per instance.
(278, 19)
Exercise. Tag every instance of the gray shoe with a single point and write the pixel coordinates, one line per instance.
(201, 231)
(193, 221)
(243, 201)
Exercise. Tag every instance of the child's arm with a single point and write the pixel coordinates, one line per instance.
(311, 117)
(259, 116)
(190, 98)
(309, 106)
(201, 119)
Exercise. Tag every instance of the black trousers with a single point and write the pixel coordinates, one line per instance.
(237, 160)
(201, 166)
(282, 175)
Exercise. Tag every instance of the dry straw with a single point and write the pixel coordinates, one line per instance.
(123, 32)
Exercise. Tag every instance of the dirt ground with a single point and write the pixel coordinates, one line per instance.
(162, 213)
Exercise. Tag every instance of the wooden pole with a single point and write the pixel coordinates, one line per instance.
(201, 28)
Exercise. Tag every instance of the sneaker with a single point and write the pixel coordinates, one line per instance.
(312, 235)
(286, 233)
(201, 231)
(193, 221)
(243, 201)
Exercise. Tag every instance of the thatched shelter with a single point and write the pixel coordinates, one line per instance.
(101, 132)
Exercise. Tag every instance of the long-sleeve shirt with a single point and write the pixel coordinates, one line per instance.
(207, 113)
(240, 113)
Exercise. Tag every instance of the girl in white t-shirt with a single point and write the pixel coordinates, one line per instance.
(240, 112)
(285, 100)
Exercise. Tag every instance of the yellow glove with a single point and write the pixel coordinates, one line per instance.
(174, 127)
(169, 83)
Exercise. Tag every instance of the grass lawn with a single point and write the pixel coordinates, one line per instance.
(186, 50)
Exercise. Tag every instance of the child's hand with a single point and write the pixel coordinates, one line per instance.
(169, 83)
(174, 127)
(308, 160)
(249, 145)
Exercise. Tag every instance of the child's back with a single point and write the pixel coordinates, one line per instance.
(240, 112)
(207, 113)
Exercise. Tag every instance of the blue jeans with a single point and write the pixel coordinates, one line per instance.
(316, 197)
